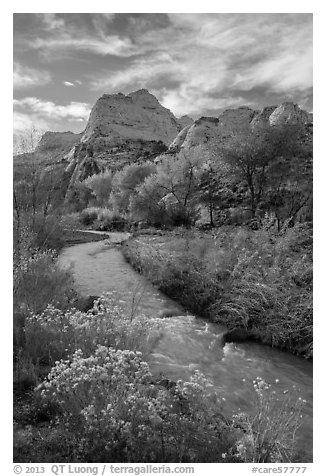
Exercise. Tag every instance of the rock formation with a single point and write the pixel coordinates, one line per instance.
(57, 143)
(209, 132)
(127, 128)
(122, 129)
(137, 115)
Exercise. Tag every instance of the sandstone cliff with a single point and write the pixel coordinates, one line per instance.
(208, 132)
(137, 115)
(57, 143)
(126, 128)
(121, 129)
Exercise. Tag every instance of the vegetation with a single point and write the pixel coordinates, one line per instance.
(259, 281)
(83, 391)
(100, 403)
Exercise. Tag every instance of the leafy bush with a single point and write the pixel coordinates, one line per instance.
(49, 233)
(88, 216)
(38, 281)
(109, 220)
(101, 186)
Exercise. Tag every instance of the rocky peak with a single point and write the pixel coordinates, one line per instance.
(236, 119)
(137, 115)
(54, 145)
(289, 113)
(211, 131)
(184, 121)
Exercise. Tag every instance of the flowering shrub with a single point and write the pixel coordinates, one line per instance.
(111, 402)
(269, 434)
(55, 334)
(38, 281)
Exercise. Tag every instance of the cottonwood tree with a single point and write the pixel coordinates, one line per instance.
(125, 183)
(100, 186)
(251, 154)
(170, 195)
(216, 183)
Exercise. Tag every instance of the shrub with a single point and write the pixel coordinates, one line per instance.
(56, 334)
(108, 400)
(88, 216)
(109, 220)
(38, 281)
(101, 186)
(48, 231)
(268, 436)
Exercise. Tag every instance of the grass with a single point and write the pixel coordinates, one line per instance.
(252, 280)
(82, 390)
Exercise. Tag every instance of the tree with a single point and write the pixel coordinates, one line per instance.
(252, 153)
(170, 195)
(215, 186)
(37, 189)
(100, 186)
(125, 183)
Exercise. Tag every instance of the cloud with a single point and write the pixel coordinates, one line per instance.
(193, 63)
(26, 122)
(209, 56)
(72, 84)
(25, 77)
(183, 102)
(48, 110)
(111, 45)
(51, 21)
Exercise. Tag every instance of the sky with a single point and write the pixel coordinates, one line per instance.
(194, 63)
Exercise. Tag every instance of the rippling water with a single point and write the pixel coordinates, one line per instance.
(189, 343)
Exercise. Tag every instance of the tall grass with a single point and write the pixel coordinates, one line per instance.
(253, 280)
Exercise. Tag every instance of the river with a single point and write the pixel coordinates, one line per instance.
(188, 342)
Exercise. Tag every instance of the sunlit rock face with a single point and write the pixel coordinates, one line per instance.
(126, 128)
(218, 131)
(289, 113)
(137, 115)
(122, 129)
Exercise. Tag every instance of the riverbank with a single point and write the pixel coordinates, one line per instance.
(253, 282)
(185, 348)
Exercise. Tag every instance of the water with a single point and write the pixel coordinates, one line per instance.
(190, 343)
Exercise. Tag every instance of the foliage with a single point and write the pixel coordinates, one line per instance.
(55, 334)
(255, 280)
(255, 155)
(125, 183)
(101, 186)
(216, 188)
(108, 220)
(168, 197)
(269, 434)
(108, 400)
(38, 281)
(88, 216)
